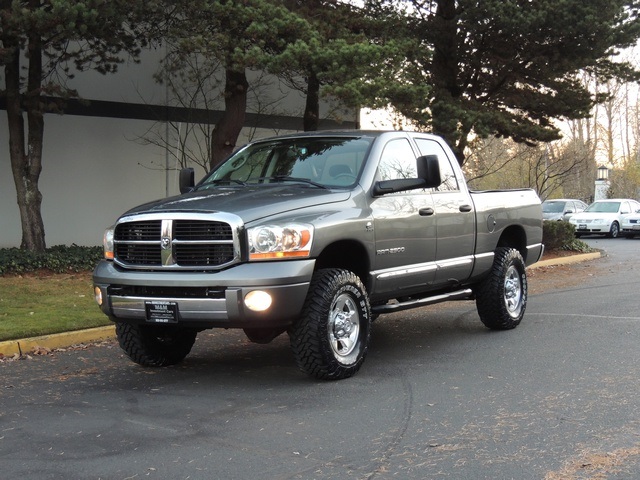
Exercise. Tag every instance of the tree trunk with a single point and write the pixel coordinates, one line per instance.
(311, 120)
(226, 132)
(26, 165)
(445, 70)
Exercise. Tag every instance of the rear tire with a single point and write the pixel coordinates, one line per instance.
(155, 346)
(501, 298)
(331, 338)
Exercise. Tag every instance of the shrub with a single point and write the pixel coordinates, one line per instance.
(58, 259)
(560, 235)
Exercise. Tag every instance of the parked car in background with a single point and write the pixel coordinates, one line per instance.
(630, 226)
(604, 217)
(561, 208)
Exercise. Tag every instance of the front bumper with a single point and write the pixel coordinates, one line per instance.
(207, 299)
(592, 227)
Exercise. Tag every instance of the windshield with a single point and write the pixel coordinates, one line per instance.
(604, 207)
(310, 161)
(553, 207)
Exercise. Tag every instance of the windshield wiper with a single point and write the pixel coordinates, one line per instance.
(221, 181)
(286, 178)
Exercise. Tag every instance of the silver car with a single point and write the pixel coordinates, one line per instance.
(561, 208)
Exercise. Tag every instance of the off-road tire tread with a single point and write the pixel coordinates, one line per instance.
(308, 336)
(490, 292)
(141, 345)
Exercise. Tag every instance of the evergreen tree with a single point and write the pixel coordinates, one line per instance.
(508, 67)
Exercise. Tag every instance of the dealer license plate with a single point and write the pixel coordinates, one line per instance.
(161, 312)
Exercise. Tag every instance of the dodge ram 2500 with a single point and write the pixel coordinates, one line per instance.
(316, 235)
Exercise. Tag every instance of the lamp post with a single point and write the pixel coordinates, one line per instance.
(602, 183)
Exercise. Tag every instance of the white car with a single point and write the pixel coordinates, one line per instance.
(604, 217)
(630, 225)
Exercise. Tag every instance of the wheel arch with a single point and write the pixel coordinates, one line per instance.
(514, 236)
(347, 254)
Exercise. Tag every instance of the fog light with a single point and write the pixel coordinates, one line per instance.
(257, 300)
(97, 293)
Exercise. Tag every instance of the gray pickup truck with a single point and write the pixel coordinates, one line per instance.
(315, 234)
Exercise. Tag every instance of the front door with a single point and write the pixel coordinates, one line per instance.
(405, 227)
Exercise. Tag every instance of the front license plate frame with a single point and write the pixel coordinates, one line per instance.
(582, 227)
(159, 311)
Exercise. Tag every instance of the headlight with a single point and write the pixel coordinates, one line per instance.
(279, 241)
(107, 243)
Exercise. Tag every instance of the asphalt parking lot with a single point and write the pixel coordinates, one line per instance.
(439, 396)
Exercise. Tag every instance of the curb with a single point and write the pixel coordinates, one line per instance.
(67, 339)
(57, 340)
(566, 260)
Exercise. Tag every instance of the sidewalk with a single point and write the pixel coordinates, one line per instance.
(67, 339)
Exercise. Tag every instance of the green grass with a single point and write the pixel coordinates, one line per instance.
(39, 304)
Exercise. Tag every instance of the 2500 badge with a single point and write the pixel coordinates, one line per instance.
(389, 251)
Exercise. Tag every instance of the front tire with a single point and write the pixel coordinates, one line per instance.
(614, 231)
(155, 346)
(331, 338)
(501, 298)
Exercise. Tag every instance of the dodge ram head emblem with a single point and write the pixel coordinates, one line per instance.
(165, 243)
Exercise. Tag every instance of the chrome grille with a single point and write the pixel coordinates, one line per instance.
(177, 241)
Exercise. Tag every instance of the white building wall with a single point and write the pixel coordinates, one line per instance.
(91, 173)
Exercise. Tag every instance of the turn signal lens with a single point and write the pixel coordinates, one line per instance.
(107, 243)
(97, 295)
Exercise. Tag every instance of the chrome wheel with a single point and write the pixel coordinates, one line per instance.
(513, 292)
(344, 326)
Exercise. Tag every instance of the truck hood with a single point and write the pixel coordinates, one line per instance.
(249, 203)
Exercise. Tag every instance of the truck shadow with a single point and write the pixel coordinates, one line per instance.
(421, 336)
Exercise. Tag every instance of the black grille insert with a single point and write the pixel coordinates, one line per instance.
(138, 231)
(180, 243)
(201, 230)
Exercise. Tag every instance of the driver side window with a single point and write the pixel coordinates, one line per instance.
(398, 161)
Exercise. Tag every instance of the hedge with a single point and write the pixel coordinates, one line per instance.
(57, 259)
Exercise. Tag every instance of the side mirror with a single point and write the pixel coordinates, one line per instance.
(187, 180)
(568, 212)
(398, 185)
(429, 170)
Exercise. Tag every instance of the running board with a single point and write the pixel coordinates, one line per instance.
(465, 294)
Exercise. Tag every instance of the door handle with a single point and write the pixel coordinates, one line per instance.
(465, 208)
(426, 212)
